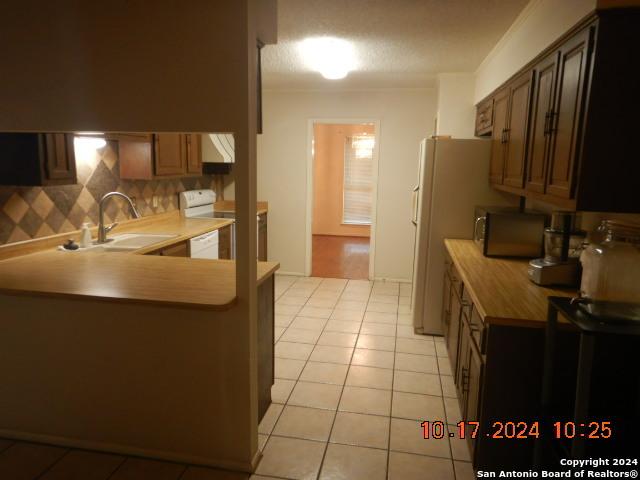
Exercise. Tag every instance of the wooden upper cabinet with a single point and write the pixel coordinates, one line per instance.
(149, 156)
(516, 131)
(564, 120)
(194, 153)
(37, 159)
(575, 140)
(170, 154)
(545, 74)
(484, 118)
(498, 138)
(60, 159)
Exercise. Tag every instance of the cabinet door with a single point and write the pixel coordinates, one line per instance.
(461, 374)
(224, 243)
(474, 386)
(194, 153)
(446, 303)
(60, 160)
(454, 330)
(178, 250)
(498, 148)
(516, 132)
(544, 87)
(262, 238)
(170, 154)
(484, 117)
(564, 125)
(474, 383)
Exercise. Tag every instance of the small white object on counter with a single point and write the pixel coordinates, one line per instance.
(85, 236)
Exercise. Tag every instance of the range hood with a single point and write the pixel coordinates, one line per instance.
(218, 153)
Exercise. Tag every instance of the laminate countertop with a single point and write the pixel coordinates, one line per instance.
(500, 287)
(131, 277)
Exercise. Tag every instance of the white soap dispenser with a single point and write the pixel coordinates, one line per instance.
(85, 236)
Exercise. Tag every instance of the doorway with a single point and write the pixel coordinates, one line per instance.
(343, 190)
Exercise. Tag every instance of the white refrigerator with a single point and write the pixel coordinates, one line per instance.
(453, 177)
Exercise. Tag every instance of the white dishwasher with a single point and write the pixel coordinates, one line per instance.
(205, 246)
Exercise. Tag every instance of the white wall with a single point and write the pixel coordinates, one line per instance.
(456, 108)
(405, 116)
(539, 25)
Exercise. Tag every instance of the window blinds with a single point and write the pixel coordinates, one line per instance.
(358, 185)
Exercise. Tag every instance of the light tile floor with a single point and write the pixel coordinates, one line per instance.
(353, 383)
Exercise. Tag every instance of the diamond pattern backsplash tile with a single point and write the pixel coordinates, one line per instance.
(33, 212)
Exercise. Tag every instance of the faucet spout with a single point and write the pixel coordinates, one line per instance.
(104, 230)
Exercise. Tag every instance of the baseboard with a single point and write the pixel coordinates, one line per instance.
(292, 274)
(132, 451)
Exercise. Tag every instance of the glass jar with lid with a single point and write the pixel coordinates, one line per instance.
(611, 271)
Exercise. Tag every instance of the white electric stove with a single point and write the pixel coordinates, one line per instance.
(199, 204)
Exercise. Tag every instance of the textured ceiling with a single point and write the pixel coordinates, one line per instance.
(399, 43)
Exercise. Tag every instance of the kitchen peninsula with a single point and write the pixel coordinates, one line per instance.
(151, 341)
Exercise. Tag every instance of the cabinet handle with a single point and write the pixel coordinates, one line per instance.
(465, 380)
(546, 123)
(551, 128)
(506, 135)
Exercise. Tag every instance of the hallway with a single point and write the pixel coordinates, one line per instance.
(340, 257)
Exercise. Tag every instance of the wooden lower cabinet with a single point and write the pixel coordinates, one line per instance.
(497, 371)
(224, 243)
(266, 339)
(181, 249)
(262, 237)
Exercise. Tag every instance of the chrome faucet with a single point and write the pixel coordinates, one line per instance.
(102, 230)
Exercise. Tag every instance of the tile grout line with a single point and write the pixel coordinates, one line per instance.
(393, 379)
(305, 362)
(324, 455)
(303, 367)
(124, 460)
(48, 469)
(444, 408)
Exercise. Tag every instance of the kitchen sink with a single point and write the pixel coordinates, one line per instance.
(128, 242)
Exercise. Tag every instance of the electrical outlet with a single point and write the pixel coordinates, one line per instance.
(154, 201)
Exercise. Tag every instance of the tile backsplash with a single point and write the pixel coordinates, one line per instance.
(33, 212)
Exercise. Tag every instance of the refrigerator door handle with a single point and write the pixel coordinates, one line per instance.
(414, 200)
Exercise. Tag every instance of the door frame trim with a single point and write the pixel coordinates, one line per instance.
(310, 190)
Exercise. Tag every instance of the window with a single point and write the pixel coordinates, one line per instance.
(358, 184)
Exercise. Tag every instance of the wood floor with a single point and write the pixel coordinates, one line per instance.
(340, 257)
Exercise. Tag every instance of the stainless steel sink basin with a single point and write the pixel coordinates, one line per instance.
(128, 242)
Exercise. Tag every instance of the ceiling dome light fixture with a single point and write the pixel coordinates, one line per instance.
(333, 57)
